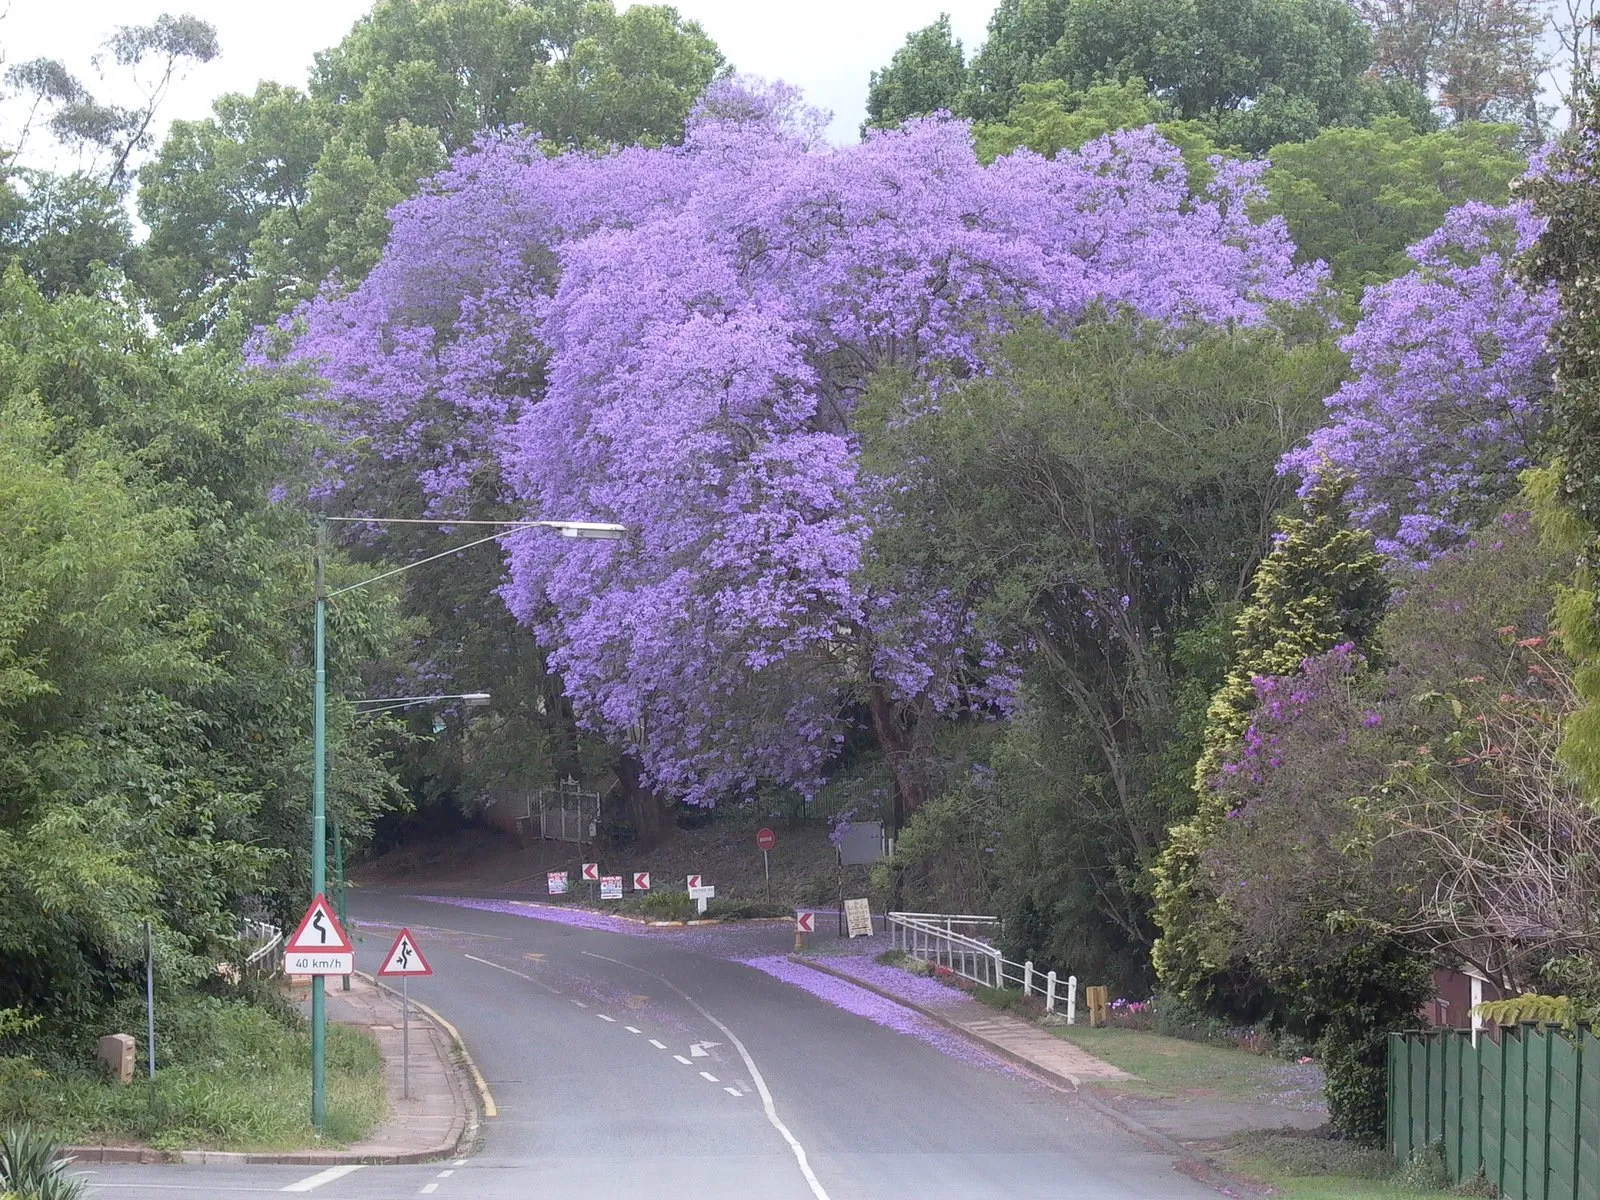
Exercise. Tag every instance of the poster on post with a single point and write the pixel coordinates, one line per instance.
(858, 917)
(558, 883)
(611, 887)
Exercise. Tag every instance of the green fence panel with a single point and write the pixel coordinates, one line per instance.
(1492, 1093)
(1399, 1096)
(1419, 1093)
(1514, 1114)
(1588, 1118)
(1536, 1112)
(1564, 1060)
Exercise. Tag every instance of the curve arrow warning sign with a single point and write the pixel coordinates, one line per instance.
(318, 946)
(404, 958)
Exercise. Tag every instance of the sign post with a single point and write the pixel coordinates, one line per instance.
(766, 840)
(405, 960)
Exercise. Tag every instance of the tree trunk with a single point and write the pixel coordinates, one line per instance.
(644, 808)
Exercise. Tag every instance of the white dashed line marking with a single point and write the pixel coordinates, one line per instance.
(580, 1003)
(631, 1029)
(311, 1182)
(429, 1188)
(603, 1017)
(460, 1162)
(446, 1174)
(658, 1045)
(683, 1060)
(709, 1077)
(733, 1091)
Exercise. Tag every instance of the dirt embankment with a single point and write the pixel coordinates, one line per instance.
(805, 870)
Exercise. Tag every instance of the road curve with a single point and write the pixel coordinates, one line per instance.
(701, 1065)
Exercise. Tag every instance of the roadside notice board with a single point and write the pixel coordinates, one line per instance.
(611, 887)
(858, 917)
(558, 883)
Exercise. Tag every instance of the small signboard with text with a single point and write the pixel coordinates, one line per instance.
(611, 887)
(558, 883)
(858, 917)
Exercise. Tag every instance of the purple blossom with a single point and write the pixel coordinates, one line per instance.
(676, 339)
(1453, 373)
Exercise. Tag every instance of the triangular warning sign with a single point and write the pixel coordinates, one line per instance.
(404, 958)
(319, 932)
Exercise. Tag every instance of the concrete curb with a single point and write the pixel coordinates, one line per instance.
(460, 1144)
(1131, 1124)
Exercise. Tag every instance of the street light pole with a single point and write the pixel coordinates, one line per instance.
(595, 530)
(319, 827)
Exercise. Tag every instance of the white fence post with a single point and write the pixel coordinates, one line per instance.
(1050, 992)
(1027, 978)
(999, 970)
(1072, 999)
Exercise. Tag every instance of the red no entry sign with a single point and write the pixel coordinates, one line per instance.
(765, 839)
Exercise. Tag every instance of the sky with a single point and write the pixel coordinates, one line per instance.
(827, 47)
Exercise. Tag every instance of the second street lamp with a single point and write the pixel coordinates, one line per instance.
(600, 530)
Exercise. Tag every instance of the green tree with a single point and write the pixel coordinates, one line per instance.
(1356, 198)
(153, 656)
(924, 76)
(60, 229)
(1100, 501)
(1321, 586)
(1257, 73)
(251, 209)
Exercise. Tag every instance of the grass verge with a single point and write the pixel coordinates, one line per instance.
(1175, 1067)
(235, 1076)
(1311, 1166)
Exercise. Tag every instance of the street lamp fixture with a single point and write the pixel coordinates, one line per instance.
(593, 530)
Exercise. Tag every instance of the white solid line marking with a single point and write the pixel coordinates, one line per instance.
(657, 1045)
(603, 1017)
(709, 1077)
(631, 1029)
(761, 1084)
(682, 1059)
(733, 1091)
(509, 971)
(311, 1182)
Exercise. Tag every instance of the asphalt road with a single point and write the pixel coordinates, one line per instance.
(662, 1067)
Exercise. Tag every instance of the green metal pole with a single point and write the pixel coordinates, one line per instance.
(338, 882)
(319, 833)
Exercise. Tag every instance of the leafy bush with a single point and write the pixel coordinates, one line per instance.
(665, 906)
(745, 910)
(31, 1166)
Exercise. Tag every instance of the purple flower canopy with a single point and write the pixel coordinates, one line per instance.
(1453, 374)
(676, 339)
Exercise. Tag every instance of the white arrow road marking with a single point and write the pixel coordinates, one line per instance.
(709, 1077)
(699, 1049)
(312, 1182)
(750, 1064)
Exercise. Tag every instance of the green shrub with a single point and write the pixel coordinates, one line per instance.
(31, 1166)
(665, 906)
(745, 910)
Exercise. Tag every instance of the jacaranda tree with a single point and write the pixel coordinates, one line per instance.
(676, 339)
(1451, 389)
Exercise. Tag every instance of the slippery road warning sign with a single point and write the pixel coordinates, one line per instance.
(404, 958)
(318, 945)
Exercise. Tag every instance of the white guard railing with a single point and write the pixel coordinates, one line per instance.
(934, 938)
(263, 938)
